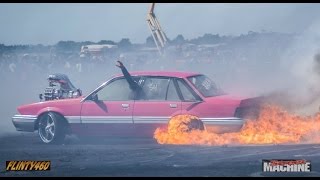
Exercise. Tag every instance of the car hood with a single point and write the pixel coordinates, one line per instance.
(33, 108)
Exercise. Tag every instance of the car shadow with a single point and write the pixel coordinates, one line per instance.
(27, 139)
(101, 140)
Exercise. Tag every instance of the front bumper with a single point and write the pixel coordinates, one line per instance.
(24, 122)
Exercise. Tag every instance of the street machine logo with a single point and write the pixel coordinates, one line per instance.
(276, 165)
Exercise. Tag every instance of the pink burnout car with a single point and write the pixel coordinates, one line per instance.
(116, 108)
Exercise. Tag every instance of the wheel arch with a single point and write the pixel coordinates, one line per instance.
(184, 112)
(61, 117)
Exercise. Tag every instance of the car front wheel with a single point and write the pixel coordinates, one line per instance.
(51, 128)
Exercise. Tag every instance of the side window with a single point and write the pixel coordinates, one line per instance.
(186, 92)
(172, 94)
(117, 90)
(155, 88)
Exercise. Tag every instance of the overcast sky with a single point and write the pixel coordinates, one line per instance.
(49, 23)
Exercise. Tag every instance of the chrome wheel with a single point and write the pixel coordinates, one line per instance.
(47, 128)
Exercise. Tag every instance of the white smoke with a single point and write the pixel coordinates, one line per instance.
(300, 64)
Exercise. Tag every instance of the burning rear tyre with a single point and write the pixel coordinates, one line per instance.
(181, 129)
(185, 123)
(52, 128)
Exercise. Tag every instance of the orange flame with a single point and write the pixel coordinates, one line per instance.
(273, 126)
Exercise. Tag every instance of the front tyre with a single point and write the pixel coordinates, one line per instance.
(52, 129)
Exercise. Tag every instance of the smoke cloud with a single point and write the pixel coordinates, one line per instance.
(285, 69)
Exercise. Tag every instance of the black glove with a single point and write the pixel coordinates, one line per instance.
(119, 64)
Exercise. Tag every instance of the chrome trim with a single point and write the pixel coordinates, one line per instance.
(25, 117)
(106, 119)
(73, 119)
(223, 121)
(24, 122)
(225, 118)
(151, 122)
(151, 119)
(146, 119)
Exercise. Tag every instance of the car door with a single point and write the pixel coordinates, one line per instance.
(111, 112)
(160, 103)
(192, 102)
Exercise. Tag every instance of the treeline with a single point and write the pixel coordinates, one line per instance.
(126, 44)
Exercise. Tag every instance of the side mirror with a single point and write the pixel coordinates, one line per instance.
(94, 97)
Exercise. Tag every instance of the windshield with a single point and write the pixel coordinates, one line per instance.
(205, 86)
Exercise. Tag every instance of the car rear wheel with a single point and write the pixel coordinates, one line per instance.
(185, 123)
(195, 124)
(51, 129)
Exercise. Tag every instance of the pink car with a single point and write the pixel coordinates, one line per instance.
(113, 110)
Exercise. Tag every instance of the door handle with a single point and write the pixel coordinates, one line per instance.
(173, 105)
(125, 105)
